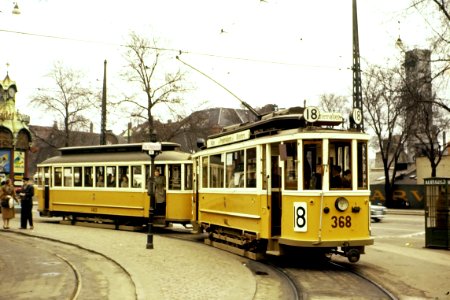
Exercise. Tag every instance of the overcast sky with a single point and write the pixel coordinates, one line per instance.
(272, 51)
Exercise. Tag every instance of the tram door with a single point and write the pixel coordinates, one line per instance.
(276, 190)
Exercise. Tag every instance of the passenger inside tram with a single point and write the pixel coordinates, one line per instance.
(347, 179)
(336, 180)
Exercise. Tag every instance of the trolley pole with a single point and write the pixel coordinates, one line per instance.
(153, 150)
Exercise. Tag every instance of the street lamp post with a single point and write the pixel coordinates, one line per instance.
(153, 150)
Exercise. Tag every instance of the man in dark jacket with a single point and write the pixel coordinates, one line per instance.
(26, 203)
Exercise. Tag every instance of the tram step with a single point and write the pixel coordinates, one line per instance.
(273, 252)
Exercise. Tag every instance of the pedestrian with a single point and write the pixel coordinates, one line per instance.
(157, 185)
(7, 192)
(26, 202)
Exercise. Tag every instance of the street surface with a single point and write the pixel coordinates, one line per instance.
(177, 269)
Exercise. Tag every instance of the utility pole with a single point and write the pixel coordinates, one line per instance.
(356, 119)
(103, 121)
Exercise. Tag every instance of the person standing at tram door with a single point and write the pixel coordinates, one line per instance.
(26, 203)
(160, 194)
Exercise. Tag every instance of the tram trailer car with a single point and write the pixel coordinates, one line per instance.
(85, 183)
(278, 184)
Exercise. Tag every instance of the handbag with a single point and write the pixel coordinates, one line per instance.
(10, 202)
(5, 203)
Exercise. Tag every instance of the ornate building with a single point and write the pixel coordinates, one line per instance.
(15, 136)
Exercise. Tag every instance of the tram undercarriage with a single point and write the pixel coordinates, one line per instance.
(248, 244)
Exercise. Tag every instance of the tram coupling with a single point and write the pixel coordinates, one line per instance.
(352, 253)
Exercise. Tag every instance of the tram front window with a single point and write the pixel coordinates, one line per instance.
(340, 164)
(290, 170)
(312, 165)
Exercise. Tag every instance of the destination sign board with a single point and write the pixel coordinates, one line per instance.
(229, 139)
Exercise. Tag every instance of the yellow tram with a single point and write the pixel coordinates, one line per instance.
(110, 183)
(278, 184)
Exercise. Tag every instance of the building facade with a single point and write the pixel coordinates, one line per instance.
(15, 136)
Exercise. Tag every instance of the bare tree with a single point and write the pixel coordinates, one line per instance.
(332, 103)
(145, 68)
(67, 99)
(385, 113)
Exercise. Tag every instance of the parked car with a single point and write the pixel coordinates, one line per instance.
(377, 212)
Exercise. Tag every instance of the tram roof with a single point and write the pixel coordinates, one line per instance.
(272, 123)
(114, 157)
(134, 147)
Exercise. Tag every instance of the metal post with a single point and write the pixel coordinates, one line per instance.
(103, 117)
(151, 207)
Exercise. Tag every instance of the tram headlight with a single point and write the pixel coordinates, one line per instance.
(341, 204)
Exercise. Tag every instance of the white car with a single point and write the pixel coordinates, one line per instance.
(377, 212)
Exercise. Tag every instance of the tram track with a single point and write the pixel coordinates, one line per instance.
(296, 277)
(322, 278)
(69, 271)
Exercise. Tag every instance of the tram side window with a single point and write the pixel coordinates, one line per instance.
(77, 176)
(58, 176)
(290, 170)
(68, 177)
(88, 176)
(188, 175)
(123, 176)
(362, 165)
(111, 176)
(216, 173)
(136, 176)
(100, 176)
(235, 169)
(39, 177)
(251, 167)
(312, 165)
(175, 177)
(205, 171)
(47, 175)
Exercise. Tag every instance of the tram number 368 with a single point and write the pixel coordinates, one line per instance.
(301, 217)
(341, 222)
